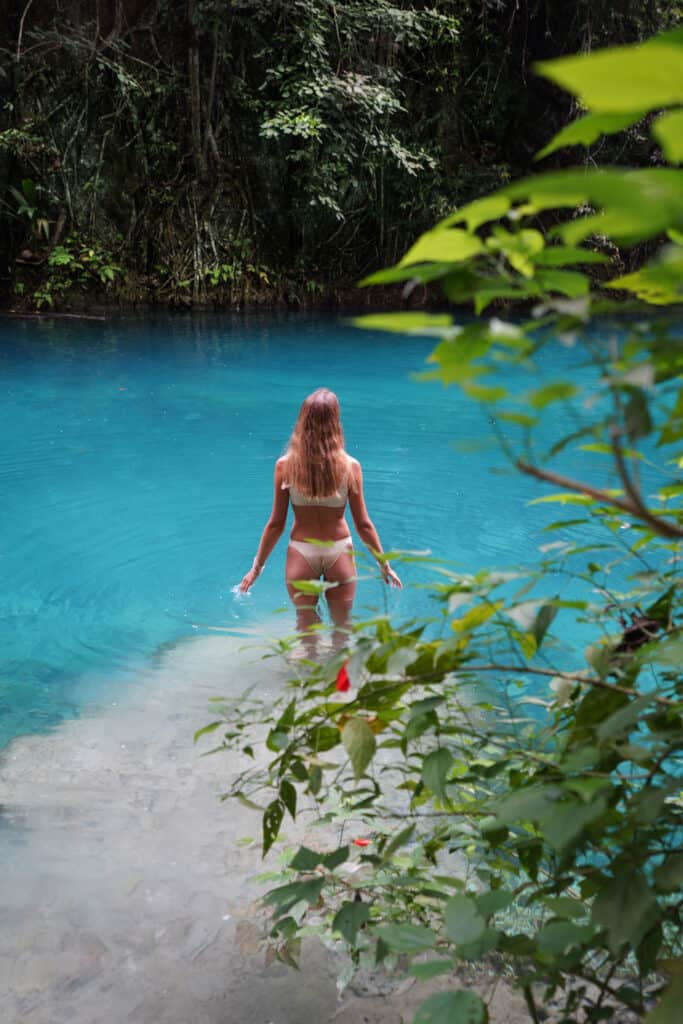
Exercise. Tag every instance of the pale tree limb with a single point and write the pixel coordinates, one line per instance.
(21, 29)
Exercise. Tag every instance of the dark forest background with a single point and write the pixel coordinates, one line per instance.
(273, 151)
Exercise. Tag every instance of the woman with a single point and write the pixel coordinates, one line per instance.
(319, 478)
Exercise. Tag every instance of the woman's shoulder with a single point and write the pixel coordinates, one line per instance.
(354, 472)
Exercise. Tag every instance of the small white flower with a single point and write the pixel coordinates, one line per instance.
(562, 688)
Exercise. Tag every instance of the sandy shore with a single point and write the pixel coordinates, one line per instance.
(125, 893)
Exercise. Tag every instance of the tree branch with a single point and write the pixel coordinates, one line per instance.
(577, 677)
(21, 30)
(662, 527)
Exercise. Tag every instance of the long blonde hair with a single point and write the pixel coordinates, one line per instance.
(316, 461)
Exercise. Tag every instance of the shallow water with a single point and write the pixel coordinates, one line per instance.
(136, 458)
(136, 461)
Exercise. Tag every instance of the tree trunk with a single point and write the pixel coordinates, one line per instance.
(195, 94)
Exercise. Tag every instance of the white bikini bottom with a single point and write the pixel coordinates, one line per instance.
(322, 556)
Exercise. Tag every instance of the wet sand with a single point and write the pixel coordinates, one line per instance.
(125, 894)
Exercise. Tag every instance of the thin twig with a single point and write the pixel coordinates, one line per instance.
(634, 494)
(571, 676)
(662, 527)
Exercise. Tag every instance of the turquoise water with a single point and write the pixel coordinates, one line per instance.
(136, 466)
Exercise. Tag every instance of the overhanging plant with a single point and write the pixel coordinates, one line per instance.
(542, 825)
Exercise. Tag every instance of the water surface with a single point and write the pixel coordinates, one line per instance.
(136, 463)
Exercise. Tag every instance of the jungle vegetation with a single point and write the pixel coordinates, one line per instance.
(268, 150)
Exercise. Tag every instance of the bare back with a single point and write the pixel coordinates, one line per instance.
(320, 522)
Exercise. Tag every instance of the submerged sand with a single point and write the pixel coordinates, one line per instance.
(127, 893)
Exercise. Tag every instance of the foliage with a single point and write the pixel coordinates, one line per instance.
(309, 140)
(72, 266)
(27, 206)
(537, 823)
(269, 135)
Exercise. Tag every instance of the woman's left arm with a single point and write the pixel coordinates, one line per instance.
(273, 529)
(364, 524)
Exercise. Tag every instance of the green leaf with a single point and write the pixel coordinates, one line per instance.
(350, 918)
(276, 741)
(554, 392)
(586, 130)
(606, 449)
(404, 323)
(284, 897)
(430, 969)
(542, 622)
(563, 498)
(318, 587)
(636, 205)
(404, 836)
(336, 857)
(407, 938)
(360, 744)
(566, 820)
(626, 908)
(435, 769)
(668, 652)
(648, 951)
(323, 737)
(246, 802)
(637, 415)
(529, 804)
(668, 876)
(659, 282)
(463, 921)
(625, 720)
(272, 819)
(286, 719)
(315, 780)
(623, 78)
(566, 255)
(661, 609)
(559, 936)
(449, 245)
(424, 273)
(564, 906)
(211, 727)
(586, 788)
(479, 212)
(288, 796)
(452, 1008)
(668, 1011)
(571, 283)
(520, 418)
(519, 247)
(502, 288)
(484, 394)
(305, 859)
(490, 903)
(668, 131)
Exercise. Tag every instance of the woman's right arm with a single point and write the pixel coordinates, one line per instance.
(273, 529)
(365, 528)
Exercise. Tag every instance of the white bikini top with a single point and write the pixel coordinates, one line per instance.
(337, 500)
